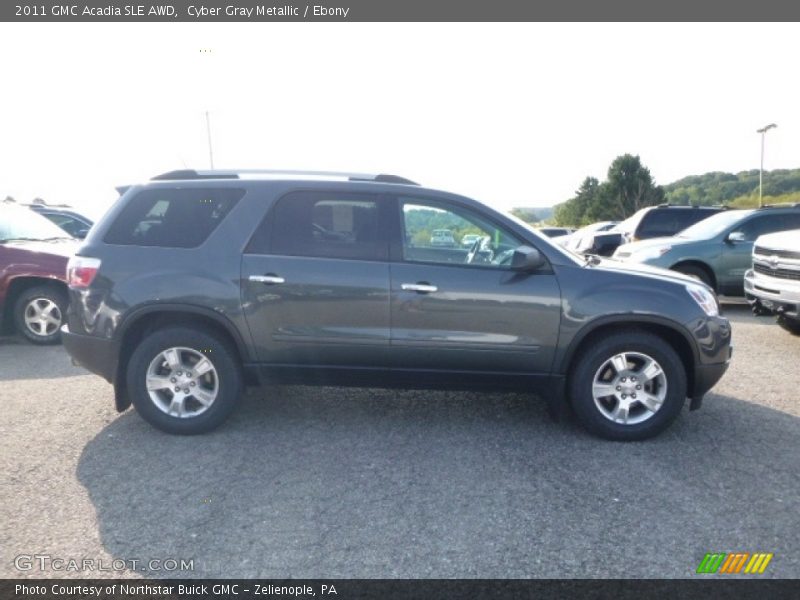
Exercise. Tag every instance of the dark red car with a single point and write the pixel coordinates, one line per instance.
(33, 264)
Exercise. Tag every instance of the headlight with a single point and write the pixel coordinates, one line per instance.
(704, 297)
(650, 253)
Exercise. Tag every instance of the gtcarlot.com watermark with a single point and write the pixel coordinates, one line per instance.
(47, 562)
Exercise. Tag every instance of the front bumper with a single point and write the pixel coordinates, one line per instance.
(712, 338)
(95, 354)
(778, 295)
(706, 377)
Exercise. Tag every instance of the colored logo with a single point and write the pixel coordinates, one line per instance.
(735, 562)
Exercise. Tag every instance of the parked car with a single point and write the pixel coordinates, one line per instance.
(442, 237)
(33, 261)
(662, 221)
(555, 232)
(198, 283)
(717, 250)
(773, 284)
(73, 223)
(583, 240)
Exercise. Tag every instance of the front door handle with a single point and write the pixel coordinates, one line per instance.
(422, 288)
(268, 279)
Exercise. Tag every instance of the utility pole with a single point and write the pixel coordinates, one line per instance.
(763, 131)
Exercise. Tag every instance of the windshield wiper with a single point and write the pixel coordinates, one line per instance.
(21, 239)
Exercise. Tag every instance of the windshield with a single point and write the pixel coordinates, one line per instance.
(18, 223)
(714, 225)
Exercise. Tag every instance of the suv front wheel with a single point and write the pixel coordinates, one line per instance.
(183, 380)
(628, 386)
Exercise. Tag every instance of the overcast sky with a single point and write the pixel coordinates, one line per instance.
(512, 114)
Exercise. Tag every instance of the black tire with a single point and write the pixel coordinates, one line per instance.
(698, 273)
(790, 325)
(227, 374)
(592, 358)
(35, 298)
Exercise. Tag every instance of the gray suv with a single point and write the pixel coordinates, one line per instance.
(199, 283)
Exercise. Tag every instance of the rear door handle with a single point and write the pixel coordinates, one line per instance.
(422, 288)
(267, 279)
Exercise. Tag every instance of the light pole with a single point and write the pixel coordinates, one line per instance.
(763, 131)
(211, 151)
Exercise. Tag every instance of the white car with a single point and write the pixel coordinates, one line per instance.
(773, 284)
(468, 241)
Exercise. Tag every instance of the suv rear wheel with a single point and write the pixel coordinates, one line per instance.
(628, 386)
(39, 313)
(183, 380)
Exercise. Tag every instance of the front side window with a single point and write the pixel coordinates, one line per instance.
(325, 225)
(766, 223)
(172, 217)
(445, 234)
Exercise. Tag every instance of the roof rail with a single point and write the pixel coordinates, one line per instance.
(183, 174)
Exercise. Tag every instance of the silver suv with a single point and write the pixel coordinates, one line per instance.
(773, 284)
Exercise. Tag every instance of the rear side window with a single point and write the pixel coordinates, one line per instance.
(172, 217)
(666, 222)
(325, 225)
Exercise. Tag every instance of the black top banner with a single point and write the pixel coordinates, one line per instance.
(400, 10)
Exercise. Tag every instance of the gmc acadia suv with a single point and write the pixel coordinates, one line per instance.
(198, 283)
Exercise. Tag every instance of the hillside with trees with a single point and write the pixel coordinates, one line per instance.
(722, 188)
(629, 186)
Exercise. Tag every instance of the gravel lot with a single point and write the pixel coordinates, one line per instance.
(313, 482)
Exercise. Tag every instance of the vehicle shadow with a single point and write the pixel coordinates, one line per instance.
(22, 360)
(323, 482)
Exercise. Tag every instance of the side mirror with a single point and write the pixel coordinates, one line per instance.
(526, 258)
(82, 233)
(736, 236)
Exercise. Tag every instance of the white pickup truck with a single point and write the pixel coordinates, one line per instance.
(773, 284)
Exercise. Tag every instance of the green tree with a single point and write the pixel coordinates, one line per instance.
(575, 212)
(630, 187)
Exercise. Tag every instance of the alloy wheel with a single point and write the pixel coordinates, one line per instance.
(629, 388)
(42, 317)
(182, 382)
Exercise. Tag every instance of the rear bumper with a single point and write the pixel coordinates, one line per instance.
(98, 355)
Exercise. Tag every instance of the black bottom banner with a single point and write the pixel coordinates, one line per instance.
(392, 589)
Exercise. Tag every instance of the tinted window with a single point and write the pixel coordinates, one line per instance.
(767, 223)
(172, 218)
(470, 238)
(69, 224)
(326, 225)
(666, 222)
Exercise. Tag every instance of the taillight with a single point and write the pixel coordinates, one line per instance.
(81, 271)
